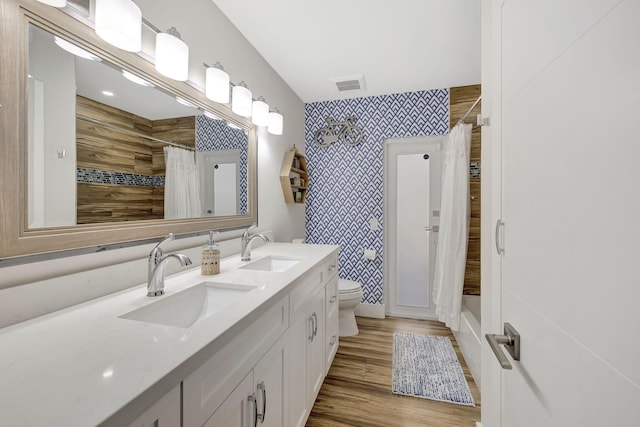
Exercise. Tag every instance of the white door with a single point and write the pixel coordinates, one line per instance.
(564, 107)
(412, 209)
(219, 173)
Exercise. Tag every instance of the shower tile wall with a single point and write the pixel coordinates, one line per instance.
(346, 183)
(216, 135)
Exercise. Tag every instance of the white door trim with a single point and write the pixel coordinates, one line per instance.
(491, 209)
(410, 144)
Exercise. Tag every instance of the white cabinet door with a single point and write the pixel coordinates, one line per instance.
(270, 377)
(239, 409)
(316, 345)
(164, 413)
(331, 322)
(299, 333)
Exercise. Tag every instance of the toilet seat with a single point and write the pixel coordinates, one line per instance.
(348, 286)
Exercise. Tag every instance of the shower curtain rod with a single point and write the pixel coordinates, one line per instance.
(463, 118)
(131, 132)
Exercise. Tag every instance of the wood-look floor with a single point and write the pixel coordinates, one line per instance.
(357, 391)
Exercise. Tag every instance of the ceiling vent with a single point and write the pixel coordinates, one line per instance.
(349, 83)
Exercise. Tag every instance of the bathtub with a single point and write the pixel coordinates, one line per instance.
(469, 335)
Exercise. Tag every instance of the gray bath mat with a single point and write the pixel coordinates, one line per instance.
(427, 366)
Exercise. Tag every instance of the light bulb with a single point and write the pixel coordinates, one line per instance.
(241, 100)
(75, 50)
(119, 23)
(260, 112)
(135, 79)
(275, 126)
(217, 84)
(172, 55)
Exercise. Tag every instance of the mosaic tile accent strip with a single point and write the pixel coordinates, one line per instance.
(94, 176)
(214, 135)
(474, 169)
(346, 183)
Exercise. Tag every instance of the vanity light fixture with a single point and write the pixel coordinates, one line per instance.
(275, 126)
(241, 100)
(119, 22)
(260, 112)
(75, 50)
(211, 115)
(184, 102)
(55, 3)
(172, 55)
(135, 79)
(217, 84)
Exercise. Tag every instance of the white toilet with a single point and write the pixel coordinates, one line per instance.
(349, 296)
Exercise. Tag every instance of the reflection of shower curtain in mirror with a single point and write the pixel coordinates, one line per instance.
(181, 188)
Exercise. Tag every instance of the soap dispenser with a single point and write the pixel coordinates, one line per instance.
(210, 257)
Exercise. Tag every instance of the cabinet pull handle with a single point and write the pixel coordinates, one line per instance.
(332, 267)
(311, 324)
(333, 340)
(315, 324)
(252, 399)
(499, 247)
(262, 416)
(332, 299)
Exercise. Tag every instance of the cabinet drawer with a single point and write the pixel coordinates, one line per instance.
(209, 385)
(331, 296)
(332, 338)
(302, 291)
(331, 266)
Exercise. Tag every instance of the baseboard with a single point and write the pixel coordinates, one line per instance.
(370, 310)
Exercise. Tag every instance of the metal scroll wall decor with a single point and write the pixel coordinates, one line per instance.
(333, 131)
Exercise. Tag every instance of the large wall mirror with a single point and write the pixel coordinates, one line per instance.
(105, 149)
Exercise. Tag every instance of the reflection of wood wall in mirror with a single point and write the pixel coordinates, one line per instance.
(103, 149)
(181, 130)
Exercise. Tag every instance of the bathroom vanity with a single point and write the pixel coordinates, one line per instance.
(252, 344)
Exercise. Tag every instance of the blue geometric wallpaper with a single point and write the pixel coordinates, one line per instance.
(214, 135)
(346, 183)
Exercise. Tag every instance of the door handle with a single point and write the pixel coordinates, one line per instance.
(434, 228)
(511, 342)
(499, 226)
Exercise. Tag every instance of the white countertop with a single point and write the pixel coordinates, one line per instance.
(80, 365)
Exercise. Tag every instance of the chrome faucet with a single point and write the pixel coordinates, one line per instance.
(247, 241)
(157, 266)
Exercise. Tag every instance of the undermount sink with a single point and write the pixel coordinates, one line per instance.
(185, 308)
(271, 263)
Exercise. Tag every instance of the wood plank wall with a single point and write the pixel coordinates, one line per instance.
(104, 149)
(181, 130)
(461, 99)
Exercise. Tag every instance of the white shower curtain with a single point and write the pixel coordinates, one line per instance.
(181, 188)
(451, 256)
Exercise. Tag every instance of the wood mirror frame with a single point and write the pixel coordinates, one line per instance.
(16, 240)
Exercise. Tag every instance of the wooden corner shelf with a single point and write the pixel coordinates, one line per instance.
(294, 177)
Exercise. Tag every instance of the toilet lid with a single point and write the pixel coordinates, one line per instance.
(345, 285)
